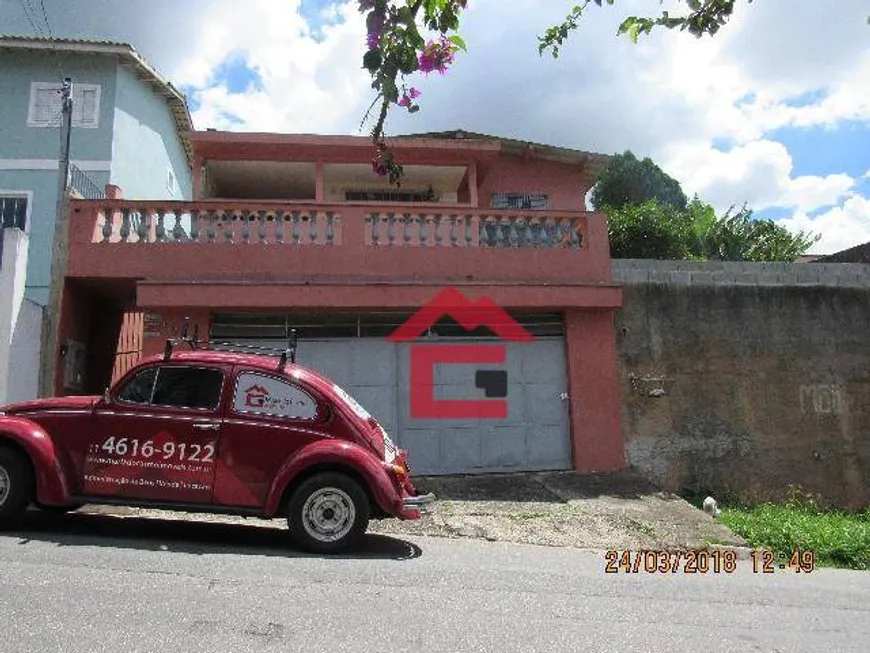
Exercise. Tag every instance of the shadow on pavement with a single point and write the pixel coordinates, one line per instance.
(198, 537)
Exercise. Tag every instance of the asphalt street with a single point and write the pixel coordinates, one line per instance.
(104, 584)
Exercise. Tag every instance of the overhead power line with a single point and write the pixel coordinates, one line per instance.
(27, 7)
(45, 16)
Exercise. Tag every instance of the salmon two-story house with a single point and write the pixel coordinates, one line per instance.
(296, 232)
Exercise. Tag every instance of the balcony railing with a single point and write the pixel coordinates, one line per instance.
(492, 229)
(83, 185)
(272, 241)
(142, 223)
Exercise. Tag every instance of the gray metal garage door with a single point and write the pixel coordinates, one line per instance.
(534, 436)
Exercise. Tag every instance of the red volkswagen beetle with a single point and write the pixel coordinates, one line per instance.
(212, 431)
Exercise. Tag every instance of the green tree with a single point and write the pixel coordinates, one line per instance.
(737, 236)
(654, 230)
(650, 230)
(629, 180)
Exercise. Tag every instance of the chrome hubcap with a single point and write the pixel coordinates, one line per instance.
(328, 514)
(4, 485)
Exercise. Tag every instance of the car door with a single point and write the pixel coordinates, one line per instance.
(157, 437)
(268, 418)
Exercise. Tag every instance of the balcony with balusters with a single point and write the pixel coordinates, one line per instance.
(279, 212)
(223, 249)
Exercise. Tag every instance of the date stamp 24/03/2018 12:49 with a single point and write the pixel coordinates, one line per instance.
(703, 561)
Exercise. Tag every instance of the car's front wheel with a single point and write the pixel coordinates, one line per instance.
(16, 485)
(328, 513)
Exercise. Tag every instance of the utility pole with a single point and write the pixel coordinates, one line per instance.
(51, 313)
(65, 133)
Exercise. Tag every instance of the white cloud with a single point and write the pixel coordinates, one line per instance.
(758, 173)
(841, 227)
(310, 82)
(789, 46)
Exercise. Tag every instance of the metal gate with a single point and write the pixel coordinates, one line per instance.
(534, 436)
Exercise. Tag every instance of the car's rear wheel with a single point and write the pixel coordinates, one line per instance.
(328, 513)
(16, 486)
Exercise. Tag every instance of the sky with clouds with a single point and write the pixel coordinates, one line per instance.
(773, 112)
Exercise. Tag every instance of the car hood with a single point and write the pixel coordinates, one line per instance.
(50, 403)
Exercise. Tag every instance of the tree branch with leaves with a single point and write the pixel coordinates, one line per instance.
(395, 50)
(704, 17)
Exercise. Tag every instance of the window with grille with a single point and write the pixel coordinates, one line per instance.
(428, 195)
(13, 211)
(45, 105)
(509, 201)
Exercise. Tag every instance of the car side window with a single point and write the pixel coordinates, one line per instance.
(266, 395)
(188, 387)
(138, 389)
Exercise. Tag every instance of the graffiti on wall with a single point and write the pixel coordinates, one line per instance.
(822, 399)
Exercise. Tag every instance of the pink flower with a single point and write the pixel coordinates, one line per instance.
(437, 55)
(406, 98)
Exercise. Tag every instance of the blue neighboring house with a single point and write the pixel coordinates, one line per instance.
(129, 129)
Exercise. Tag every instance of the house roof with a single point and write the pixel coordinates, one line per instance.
(515, 146)
(856, 254)
(325, 140)
(213, 144)
(129, 57)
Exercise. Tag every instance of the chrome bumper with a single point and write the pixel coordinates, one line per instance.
(422, 503)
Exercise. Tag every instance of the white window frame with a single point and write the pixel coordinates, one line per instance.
(170, 180)
(28, 194)
(45, 86)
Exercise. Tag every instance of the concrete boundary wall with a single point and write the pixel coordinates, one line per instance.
(746, 378)
(699, 273)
